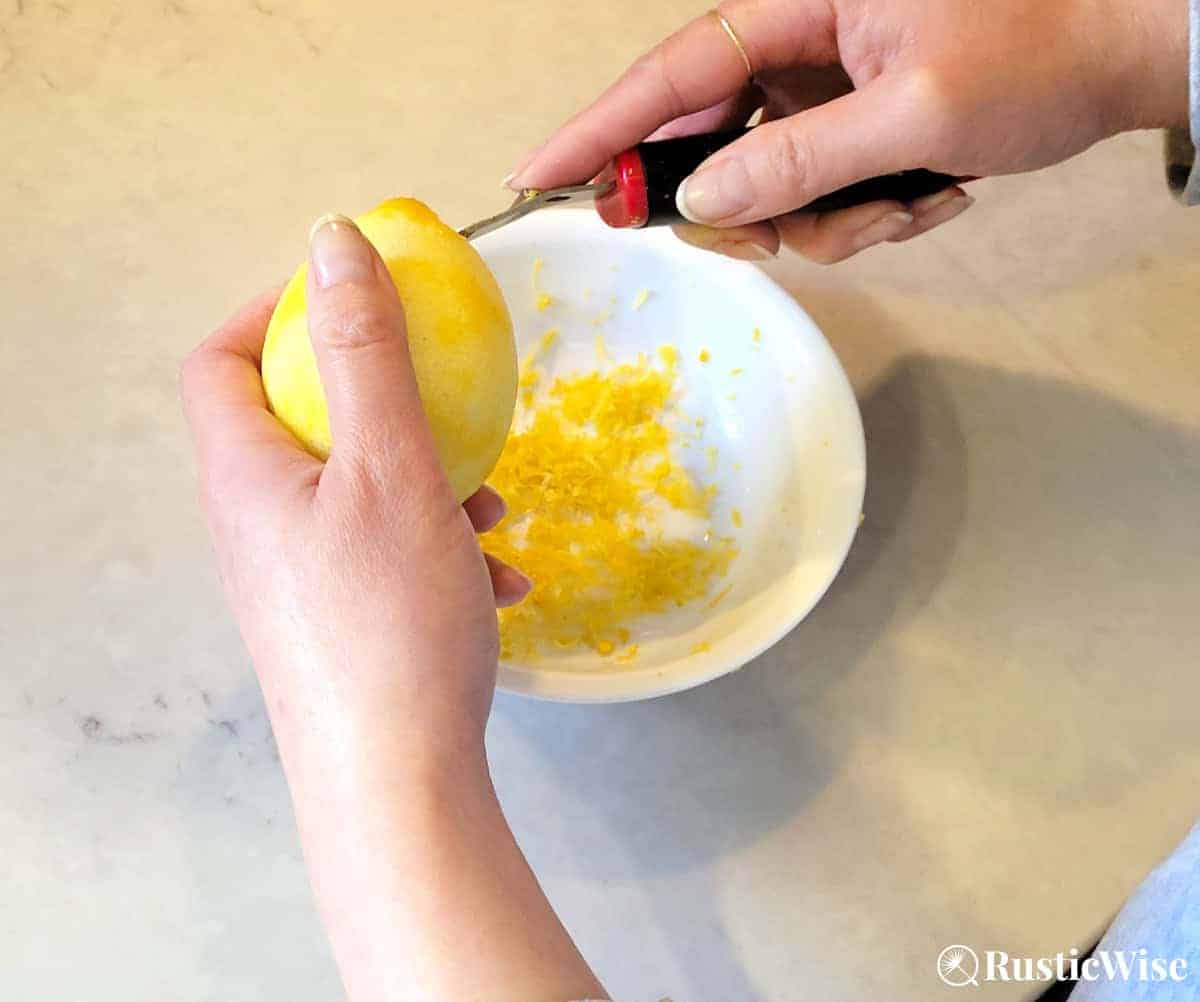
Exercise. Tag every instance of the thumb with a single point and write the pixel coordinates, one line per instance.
(783, 165)
(359, 336)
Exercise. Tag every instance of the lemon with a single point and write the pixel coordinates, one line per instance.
(460, 336)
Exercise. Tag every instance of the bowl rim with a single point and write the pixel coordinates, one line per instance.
(567, 686)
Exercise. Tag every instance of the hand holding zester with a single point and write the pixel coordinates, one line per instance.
(857, 89)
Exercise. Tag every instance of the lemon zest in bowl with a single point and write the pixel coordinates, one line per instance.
(590, 477)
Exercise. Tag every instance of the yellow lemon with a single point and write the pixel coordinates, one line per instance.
(459, 333)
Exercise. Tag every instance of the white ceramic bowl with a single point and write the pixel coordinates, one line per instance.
(789, 438)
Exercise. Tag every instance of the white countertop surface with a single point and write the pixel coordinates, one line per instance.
(986, 733)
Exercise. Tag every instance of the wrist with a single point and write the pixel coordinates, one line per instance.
(340, 754)
(388, 720)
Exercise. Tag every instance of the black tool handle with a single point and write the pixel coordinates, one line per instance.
(667, 162)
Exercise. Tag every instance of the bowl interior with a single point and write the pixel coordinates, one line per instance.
(776, 408)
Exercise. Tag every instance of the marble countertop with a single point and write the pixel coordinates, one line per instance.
(986, 733)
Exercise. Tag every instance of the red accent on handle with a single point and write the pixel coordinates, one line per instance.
(627, 206)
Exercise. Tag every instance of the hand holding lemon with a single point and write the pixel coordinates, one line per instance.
(344, 539)
(365, 601)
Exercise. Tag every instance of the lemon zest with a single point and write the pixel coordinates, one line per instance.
(590, 476)
(719, 597)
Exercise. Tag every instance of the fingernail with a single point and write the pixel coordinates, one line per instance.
(945, 211)
(522, 163)
(508, 179)
(340, 254)
(516, 587)
(723, 241)
(714, 193)
(743, 250)
(498, 505)
(882, 229)
(930, 202)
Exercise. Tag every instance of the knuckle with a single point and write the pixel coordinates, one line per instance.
(930, 96)
(790, 163)
(658, 69)
(645, 67)
(357, 322)
(825, 254)
(805, 234)
(193, 364)
(931, 87)
(667, 62)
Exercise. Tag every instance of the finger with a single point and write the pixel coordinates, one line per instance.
(693, 69)
(933, 210)
(755, 242)
(783, 165)
(829, 237)
(239, 443)
(356, 323)
(728, 114)
(509, 585)
(243, 333)
(485, 508)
